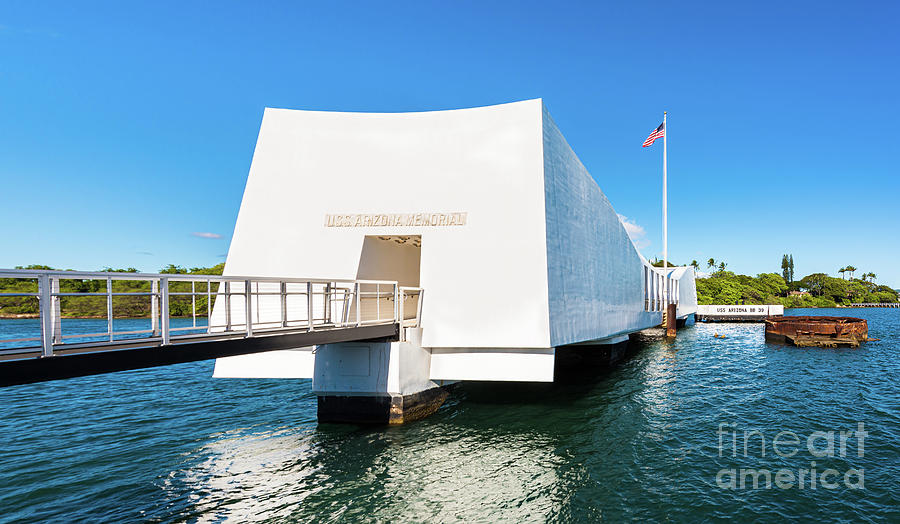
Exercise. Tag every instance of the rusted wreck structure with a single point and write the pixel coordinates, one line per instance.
(828, 332)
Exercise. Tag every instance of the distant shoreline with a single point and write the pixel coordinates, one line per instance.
(15, 316)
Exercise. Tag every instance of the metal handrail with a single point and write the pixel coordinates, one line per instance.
(234, 305)
(116, 275)
(400, 312)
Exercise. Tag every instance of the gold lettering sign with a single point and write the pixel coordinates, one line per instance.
(396, 219)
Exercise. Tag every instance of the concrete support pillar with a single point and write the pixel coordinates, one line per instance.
(671, 321)
(375, 382)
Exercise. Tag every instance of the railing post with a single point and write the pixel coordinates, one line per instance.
(398, 310)
(248, 308)
(420, 298)
(309, 305)
(44, 303)
(327, 315)
(193, 304)
(209, 305)
(164, 313)
(283, 286)
(227, 285)
(109, 310)
(356, 292)
(55, 311)
(154, 307)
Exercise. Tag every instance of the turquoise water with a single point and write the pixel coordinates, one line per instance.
(637, 442)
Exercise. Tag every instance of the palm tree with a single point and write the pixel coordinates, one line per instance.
(850, 269)
(842, 271)
(722, 266)
(695, 265)
(711, 262)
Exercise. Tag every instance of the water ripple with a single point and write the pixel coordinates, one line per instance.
(638, 442)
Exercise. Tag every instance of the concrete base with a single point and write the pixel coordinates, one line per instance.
(392, 409)
(376, 382)
(583, 359)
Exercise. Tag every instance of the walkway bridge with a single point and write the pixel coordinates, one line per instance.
(877, 304)
(142, 320)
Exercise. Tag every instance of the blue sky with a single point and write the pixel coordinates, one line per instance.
(127, 128)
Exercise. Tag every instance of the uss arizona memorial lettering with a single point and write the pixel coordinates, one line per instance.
(395, 219)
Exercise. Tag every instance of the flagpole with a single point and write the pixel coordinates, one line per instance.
(665, 213)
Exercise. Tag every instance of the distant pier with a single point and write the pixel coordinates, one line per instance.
(877, 304)
(727, 313)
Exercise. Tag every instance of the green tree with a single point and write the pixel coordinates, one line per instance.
(135, 305)
(851, 270)
(711, 263)
(771, 284)
(814, 283)
(172, 269)
(695, 265)
(725, 287)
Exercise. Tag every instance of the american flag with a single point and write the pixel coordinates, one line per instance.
(659, 132)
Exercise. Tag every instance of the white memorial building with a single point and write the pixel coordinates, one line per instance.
(518, 253)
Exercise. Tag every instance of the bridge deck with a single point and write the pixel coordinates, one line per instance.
(228, 316)
(107, 358)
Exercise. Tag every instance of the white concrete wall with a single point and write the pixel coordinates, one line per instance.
(485, 282)
(687, 291)
(529, 365)
(541, 261)
(374, 368)
(595, 274)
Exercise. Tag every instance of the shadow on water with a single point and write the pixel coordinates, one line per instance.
(578, 371)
